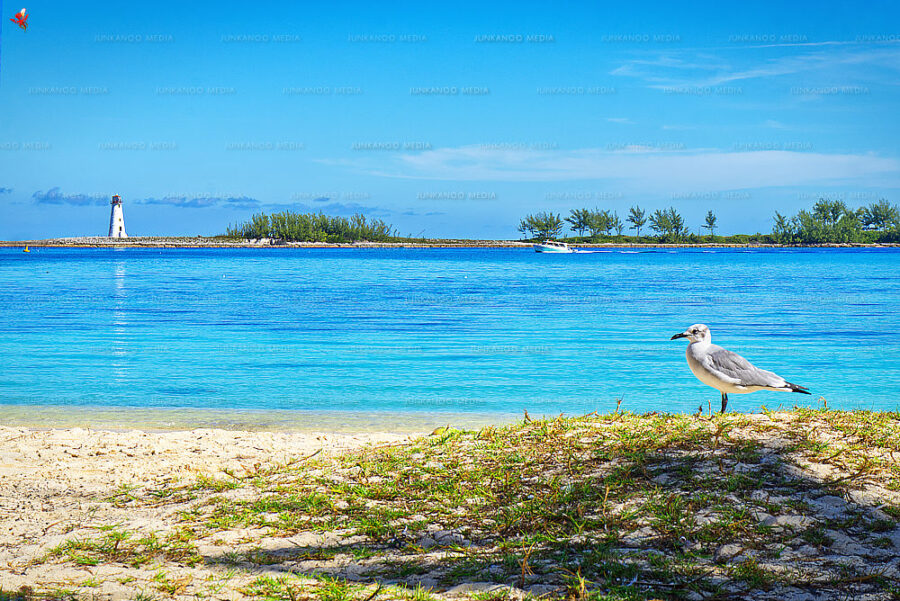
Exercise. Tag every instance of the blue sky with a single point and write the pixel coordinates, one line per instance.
(448, 120)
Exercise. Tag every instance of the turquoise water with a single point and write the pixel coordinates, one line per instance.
(480, 332)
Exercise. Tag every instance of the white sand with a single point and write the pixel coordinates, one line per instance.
(52, 482)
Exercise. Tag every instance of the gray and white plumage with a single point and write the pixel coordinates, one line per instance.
(726, 371)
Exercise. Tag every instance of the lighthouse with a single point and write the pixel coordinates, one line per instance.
(117, 218)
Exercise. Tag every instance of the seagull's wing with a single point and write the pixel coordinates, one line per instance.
(733, 368)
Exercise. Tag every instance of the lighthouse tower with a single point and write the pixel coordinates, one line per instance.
(117, 219)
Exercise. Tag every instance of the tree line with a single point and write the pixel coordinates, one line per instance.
(829, 221)
(312, 227)
(832, 221)
(668, 224)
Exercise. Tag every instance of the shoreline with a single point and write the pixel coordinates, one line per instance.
(287, 421)
(155, 242)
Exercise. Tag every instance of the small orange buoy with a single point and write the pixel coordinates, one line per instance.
(26, 250)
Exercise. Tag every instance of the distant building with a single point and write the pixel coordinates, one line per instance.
(117, 219)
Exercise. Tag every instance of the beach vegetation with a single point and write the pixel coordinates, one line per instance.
(291, 226)
(828, 221)
(637, 217)
(710, 223)
(579, 220)
(833, 221)
(879, 216)
(603, 222)
(616, 223)
(418, 593)
(323, 588)
(168, 585)
(669, 225)
(121, 546)
(543, 225)
(616, 506)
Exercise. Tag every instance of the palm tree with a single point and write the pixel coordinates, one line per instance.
(616, 223)
(783, 230)
(829, 211)
(598, 222)
(578, 218)
(542, 225)
(669, 224)
(879, 216)
(679, 230)
(527, 225)
(660, 222)
(710, 222)
(637, 218)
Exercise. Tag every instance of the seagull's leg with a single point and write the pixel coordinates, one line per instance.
(724, 401)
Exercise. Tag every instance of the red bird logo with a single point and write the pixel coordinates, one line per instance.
(21, 20)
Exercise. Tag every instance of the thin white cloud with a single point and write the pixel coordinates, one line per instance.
(641, 168)
(670, 71)
(621, 120)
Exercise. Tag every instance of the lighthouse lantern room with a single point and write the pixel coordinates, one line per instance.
(117, 219)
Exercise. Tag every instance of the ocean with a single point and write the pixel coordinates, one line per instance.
(312, 337)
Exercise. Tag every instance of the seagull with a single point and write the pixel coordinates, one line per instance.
(727, 371)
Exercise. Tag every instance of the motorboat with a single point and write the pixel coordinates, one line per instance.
(552, 246)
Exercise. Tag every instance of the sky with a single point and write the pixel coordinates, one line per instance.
(443, 119)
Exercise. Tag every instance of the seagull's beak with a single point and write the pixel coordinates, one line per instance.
(676, 336)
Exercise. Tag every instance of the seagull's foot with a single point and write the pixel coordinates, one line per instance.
(724, 401)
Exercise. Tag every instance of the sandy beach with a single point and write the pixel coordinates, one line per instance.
(55, 485)
(795, 505)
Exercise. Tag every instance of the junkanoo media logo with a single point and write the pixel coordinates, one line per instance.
(21, 19)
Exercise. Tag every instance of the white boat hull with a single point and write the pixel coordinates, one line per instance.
(552, 248)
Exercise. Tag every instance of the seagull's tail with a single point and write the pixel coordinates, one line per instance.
(797, 388)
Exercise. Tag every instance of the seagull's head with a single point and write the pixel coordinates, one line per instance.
(696, 333)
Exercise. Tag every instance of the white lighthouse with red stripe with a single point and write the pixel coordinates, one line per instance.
(117, 219)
